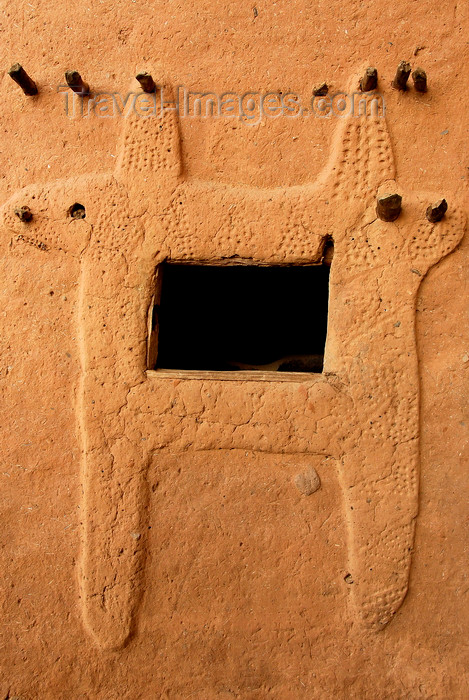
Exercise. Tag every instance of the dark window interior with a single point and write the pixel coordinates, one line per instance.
(242, 317)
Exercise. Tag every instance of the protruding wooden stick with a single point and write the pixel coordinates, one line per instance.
(22, 79)
(320, 90)
(76, 83)
(435, 212)
(146, 81)
(369, 80)
(402, 76)
(388, 206)
(420, 80)
(24, 214)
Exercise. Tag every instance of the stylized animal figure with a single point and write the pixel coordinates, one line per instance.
(147, 212)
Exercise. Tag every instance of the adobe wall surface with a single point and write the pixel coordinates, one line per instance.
(177, 536)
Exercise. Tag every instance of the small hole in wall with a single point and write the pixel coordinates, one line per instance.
(240, 317)
(77, 211)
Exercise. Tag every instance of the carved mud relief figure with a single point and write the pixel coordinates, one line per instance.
(146, 213)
